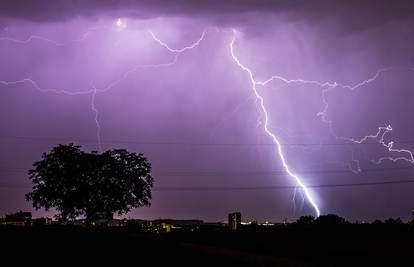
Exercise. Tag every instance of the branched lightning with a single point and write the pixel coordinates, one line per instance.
(382, 129)
(326, 87)
(170, 63)
(329, 86)
(134, 69)
(381, 133)
(94, 91)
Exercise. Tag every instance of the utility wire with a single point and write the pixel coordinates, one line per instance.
(251, 188)
(246, 173)
(192, 143)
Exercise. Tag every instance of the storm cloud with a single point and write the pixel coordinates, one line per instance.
(357, 14)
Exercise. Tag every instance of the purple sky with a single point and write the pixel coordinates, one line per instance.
(191, 109)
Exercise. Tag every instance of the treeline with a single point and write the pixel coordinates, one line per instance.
(334, 220)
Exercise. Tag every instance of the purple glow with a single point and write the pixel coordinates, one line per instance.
(210, 92)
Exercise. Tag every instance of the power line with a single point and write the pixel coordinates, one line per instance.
(191, 144)
(248, 173)
(276, 173)
(252, 188)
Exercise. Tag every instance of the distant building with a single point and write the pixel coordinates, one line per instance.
(167, 227)
(116, 222)
(42, 221)
(138, 224)
(19, 219)
(234, 220)
(80, 222)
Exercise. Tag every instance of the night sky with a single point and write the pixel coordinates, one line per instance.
(200, 87)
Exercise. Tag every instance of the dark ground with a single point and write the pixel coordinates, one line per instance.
(344, 245)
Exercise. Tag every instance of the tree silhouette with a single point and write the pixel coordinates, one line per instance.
(392, 221)
(94, 185)
(305, 220)
(330, 220)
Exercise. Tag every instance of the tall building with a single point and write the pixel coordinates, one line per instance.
(234, 220)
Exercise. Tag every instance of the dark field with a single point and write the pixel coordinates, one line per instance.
(345, 245)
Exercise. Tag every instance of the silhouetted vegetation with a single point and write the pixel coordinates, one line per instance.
(305, 220)
(94, 185)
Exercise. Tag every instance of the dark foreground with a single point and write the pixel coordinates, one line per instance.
(346, 245)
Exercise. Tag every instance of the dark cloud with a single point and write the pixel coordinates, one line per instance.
(360, 13)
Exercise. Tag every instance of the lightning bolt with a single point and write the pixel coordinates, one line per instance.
(382, 132)
(135, 69)
(326, 86)
(31, 38)
(95, 110)
(45, 90)
(279, 149)
(181, 50)
(94, 91)
(330, 86)
(111, 85)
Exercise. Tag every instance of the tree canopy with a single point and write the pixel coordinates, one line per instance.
(94, 185)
